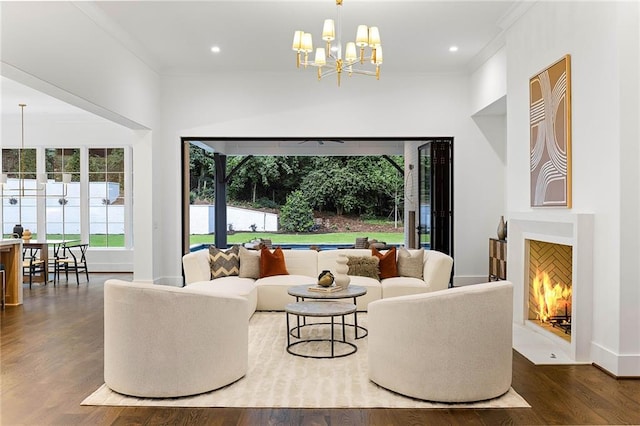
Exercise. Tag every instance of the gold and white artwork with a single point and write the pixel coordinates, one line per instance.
(550, 135)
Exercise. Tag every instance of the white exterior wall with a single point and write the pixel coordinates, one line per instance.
(202, 219)
(602, 57)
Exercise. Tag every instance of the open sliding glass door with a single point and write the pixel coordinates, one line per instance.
(435, 195)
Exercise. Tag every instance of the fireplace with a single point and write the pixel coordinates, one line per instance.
(550, 260)
(550, 286)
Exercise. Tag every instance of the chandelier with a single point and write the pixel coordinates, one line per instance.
(329, 58)
(16, 195)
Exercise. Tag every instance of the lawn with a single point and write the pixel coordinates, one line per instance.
(95, 240)
(307, 238)
(245, 237)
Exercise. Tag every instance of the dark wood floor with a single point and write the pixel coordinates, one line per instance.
(52, 358)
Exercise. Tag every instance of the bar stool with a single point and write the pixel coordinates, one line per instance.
(4, 285)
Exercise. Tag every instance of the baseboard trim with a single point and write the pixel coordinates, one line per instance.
(609, 373)
(620, 366)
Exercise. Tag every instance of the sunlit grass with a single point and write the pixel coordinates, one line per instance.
(305, 238)
(95, 240)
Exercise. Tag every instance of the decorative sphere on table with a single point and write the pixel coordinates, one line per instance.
(341, 278)
(325, 279)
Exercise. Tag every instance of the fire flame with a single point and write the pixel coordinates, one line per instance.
(551, 299)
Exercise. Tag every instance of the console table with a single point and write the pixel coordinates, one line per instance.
(497, 259)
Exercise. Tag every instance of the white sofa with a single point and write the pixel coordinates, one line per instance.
(448, 346)
(164, 341)
(304, 266)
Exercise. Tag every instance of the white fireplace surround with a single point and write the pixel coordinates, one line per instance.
(575, 230)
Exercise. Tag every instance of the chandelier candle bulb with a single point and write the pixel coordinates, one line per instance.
(307, 42)
(362, 36)
(374, 37)
(328, 30)
(321, 57)
(307, 46)
(297, 45)
(350, 52)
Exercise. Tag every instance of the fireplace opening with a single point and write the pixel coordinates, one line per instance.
(551, 287)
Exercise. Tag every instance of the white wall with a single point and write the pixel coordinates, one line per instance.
(292, 104)
(62, 49)
(202, 219)
(602, 133)
(489, 82)
(58, 43)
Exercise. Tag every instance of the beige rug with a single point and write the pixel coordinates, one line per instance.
(279, 379)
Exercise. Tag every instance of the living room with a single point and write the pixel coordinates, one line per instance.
(484, 105)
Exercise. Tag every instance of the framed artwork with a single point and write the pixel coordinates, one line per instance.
(550, 135)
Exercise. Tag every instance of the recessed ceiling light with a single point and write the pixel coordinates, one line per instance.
(453, 49)
(215, 49)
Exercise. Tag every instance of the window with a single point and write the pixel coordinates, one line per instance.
(106, 197)
(91, 207)
(19, 203)
(63, 211)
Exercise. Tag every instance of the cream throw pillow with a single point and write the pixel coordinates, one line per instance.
(410, 265)
(249, 263)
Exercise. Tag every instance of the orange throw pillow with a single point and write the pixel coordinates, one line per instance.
(388, 265)
(272, 263)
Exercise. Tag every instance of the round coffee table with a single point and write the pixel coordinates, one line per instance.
(319, 309)
(302, 292)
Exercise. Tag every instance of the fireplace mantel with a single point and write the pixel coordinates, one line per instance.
(561, 227)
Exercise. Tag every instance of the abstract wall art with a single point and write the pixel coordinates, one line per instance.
(550, 135)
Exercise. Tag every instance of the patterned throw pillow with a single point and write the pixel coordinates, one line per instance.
(410, 265)
(224, 263)
(272, 263)
(388, 265)
(249, 263)
(364, 266)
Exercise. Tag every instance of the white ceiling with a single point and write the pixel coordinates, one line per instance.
(176, 36)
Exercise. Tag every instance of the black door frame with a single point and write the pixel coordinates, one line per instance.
(221, 237)
(441, 193)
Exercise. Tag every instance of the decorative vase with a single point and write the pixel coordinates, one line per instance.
(341, 278)
(325, 279)
(26, 235)
(502, 229)
(17, 231)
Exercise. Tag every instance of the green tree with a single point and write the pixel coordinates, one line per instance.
(201, 174)
(296, 214)
(268, 177)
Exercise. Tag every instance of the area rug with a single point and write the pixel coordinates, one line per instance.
(278, 379)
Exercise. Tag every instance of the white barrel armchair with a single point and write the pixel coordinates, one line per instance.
(162, 341)
(450, 346)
